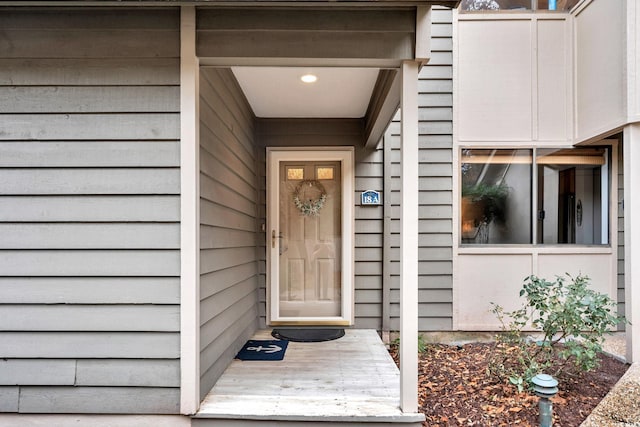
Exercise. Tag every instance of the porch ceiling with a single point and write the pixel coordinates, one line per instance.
(279, 91)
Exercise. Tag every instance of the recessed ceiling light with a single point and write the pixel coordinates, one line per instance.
(309, 78)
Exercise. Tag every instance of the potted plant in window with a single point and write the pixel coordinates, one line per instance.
(482, 204)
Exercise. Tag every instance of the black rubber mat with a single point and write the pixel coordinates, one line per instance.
(307, 334)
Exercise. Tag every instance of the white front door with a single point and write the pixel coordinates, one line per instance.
(309, 238)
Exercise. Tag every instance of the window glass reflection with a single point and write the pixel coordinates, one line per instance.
(496, 196)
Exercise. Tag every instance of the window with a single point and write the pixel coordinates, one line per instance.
(573, 196)
(475, 5)
(496, 196)
(541, 196)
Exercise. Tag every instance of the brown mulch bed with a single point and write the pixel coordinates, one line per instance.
(455, 390)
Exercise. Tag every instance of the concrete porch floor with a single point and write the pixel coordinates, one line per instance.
(351, 380)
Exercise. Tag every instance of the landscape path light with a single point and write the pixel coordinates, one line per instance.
(545, 387)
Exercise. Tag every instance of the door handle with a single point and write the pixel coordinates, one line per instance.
(275, 236)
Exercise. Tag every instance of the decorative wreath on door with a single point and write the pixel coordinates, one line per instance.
(311, 207)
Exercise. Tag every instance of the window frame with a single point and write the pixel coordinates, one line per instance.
(611, 194)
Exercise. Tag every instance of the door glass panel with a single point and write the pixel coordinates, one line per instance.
(295, 173)
(310, 241)
(324, 172)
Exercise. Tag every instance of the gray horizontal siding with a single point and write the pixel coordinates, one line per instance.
(621, 260)
(369, 296)
(89, 211)
(228, 229)
(435, 198)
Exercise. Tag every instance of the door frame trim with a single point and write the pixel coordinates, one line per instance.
(345, 155)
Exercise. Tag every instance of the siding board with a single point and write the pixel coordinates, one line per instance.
(128, 373)
(90, 263)
(89, 99)
(91, 126)
(115, 19)
(216, 304)
(37, 372)
(9, 399)
(93, 72)
(89, 236)
(217, 238)
(89, 290)
(228, 169)
(91, 345)
(217, 259)
(89, 181)
(65, 317)
(215, 190)
(107, 400)
(214, 328)
(71, 43)
(217, 281)
(109, 208)
(90, 154)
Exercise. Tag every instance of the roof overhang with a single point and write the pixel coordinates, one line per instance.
(233, 3)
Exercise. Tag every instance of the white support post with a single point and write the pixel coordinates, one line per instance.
(409, 239)
(631, 147)
(189, 215)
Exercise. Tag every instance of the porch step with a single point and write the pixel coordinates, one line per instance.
(348, 382)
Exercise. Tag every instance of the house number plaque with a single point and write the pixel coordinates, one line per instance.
(370, 198)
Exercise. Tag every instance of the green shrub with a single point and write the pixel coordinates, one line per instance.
(573, 320)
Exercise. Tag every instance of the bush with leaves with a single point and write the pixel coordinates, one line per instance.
(573, 320)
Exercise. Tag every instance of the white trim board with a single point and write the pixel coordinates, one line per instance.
(189, 215)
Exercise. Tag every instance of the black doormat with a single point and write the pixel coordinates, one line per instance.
(263, 350)
(307, 334)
